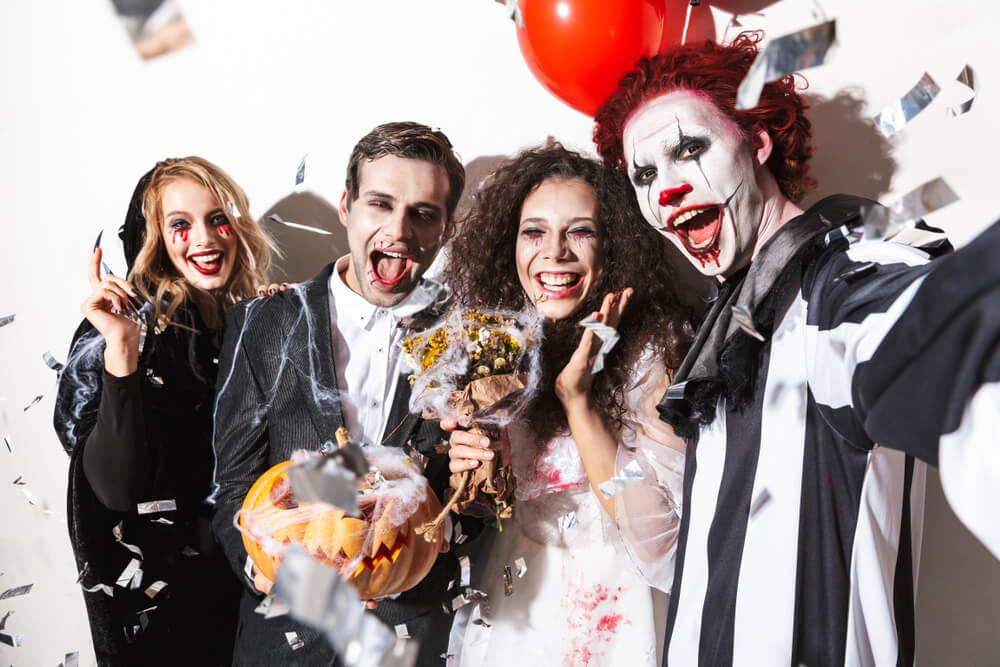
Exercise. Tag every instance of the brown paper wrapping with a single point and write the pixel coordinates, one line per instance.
(491, 483)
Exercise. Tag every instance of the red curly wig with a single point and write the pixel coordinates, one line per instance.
(717, 72)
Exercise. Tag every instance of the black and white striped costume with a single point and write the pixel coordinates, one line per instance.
(800, 536)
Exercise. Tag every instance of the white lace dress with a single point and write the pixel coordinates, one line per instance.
(581, 600)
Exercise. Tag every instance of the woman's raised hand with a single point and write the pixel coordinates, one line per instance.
(108, 295)
(574, 381)
(467, 449)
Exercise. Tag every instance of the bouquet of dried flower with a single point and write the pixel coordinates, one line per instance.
(479, 368)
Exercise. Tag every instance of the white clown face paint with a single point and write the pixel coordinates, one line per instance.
(558, 251)
(695, 176)
(395, 227)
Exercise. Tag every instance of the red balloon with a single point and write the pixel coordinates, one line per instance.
(579, 49)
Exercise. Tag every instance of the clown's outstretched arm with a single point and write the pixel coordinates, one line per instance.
(931, 387)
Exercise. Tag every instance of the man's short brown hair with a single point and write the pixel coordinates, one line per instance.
(408, 140)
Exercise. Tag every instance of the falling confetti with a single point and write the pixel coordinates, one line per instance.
(783, 56)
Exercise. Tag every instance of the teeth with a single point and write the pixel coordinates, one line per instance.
(207, 259)
(396, 255)
(687, 215)
(698, 246)
(557, 279)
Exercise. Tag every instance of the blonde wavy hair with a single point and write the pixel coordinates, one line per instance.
(154, 273)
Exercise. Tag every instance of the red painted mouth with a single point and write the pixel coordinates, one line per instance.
(207, 263)
(559, 284)
(388, 268)
(698, 229)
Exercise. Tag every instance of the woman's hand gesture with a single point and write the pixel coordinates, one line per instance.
(574, 381)
(108, 295)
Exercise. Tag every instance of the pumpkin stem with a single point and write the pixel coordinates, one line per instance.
(430, 529)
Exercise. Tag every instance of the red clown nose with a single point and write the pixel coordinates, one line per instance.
(674, 196)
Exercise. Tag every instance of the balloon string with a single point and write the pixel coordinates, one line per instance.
(687, 22)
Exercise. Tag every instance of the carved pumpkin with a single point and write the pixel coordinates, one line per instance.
(378, 553)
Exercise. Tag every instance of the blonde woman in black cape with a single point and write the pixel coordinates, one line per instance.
(134, 412)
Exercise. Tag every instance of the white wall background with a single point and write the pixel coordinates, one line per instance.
(82, 117)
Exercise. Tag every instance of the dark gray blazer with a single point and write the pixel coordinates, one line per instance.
(276, 391)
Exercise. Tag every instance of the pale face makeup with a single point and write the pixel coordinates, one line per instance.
(694, 175)
(395, 227)
(559, 251)
(198, 235)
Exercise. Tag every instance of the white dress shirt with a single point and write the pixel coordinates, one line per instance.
(368, 356)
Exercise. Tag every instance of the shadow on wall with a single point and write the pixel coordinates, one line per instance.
(851, 156)
(305, 252)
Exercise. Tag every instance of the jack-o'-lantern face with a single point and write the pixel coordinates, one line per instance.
(377, 555)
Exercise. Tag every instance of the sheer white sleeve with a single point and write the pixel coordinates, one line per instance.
(648, 511)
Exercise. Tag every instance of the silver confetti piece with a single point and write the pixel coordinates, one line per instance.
(293, 640)
(744, 319)
(117, 532)
(164, 520)
(628, 475)
(785, 55)
(318, 596)
(154, 588)
(3, 621)
(458, 537)
(32, 500)
(326, 481)
(104, 588)
(19, 481)
(11, 640)
(9, 443)
(857, 273)
(897, 115)
(567, 521)
(675, 392)
(33, 401)
(402, 631)
(967, 78)
(463, 561)
(477, 617)
(16, 591)
(7, 319)
(609, 338)
(513, 11)
(151, 506)
(888, 221)
(762, 499)
(136, 581)
(508, 581)
(271, 607)
(247, 568)
(125, 578)
(51, 362)
(233, 211)
(189, 552)
(459, 601)
(300, 173)
(71, 660)
(274, 217)
(155, 380)
(522, 567)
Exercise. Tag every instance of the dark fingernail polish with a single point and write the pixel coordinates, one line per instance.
(272, 291)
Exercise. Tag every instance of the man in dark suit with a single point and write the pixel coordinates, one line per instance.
(296, 365)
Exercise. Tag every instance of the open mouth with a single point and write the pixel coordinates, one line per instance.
(559, 285)
(207, 263)
(388, 267)
(698, 229)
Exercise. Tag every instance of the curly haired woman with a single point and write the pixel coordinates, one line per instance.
(558, 232)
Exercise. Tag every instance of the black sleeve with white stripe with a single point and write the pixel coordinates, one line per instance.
(931, 386)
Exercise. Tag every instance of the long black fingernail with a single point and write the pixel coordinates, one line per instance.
(272, 291)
